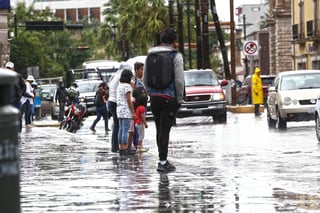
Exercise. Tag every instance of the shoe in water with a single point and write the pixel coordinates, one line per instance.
(167, 167)
(131, 152)
(92, 129)
(141, 149)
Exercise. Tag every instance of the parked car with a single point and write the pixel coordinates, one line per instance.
(87, 90)
(48, 106)
(292, 97)
(317, 116)
(244, 91)
(204, 96)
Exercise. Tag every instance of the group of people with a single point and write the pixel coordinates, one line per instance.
(125, 98)
(127, 101)
(23, 97)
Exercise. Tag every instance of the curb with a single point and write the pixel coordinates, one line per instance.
(243, 109)
(47, 125)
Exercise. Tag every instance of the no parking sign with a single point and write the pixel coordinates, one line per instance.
(251, 48)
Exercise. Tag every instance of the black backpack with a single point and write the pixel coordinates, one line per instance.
(160, 69)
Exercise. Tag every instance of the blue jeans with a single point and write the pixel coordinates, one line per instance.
(101, 111)
(27, 112)
(112, 106)
(124, 126)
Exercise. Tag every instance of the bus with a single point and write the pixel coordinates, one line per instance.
(96, 69)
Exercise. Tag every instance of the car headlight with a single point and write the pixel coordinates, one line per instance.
(218, 97)
(287, 101)
(82, 99)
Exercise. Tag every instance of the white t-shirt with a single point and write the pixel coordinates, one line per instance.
(113, 85)
(123, 110)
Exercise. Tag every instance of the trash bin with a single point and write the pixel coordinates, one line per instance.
(9, 152)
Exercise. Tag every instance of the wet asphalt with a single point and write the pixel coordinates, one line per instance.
(240, 166)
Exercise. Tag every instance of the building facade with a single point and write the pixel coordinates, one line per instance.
(306, 34)
(73, 11)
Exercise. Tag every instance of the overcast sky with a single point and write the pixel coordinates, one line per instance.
(223, 7)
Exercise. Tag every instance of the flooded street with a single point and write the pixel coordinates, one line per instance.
(242, 166)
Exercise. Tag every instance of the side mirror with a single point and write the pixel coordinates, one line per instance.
(271, 89)
(224, 83)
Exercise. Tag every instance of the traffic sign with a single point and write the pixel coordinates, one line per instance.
(251, 48)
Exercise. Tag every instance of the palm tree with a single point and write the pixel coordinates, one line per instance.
(134, 24)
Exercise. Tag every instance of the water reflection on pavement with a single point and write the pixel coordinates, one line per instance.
(220, 168)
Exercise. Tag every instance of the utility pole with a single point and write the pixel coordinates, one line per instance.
(245, 38)
(198, 32)
(232, 51)
(171, 19)
(221, 40)
(180, 26)
(189, 34)
(205, 33)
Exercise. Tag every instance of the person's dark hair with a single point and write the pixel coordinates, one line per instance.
(168, 36)
(126, 76)
(138, 65)
(141, 99)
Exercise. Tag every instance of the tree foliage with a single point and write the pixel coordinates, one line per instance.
(54, 52)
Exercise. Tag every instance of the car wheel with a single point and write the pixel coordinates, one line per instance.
(54, 117)
(271, 122)
(222, 118)
(280, 123)
(318, 128)
(248, 100)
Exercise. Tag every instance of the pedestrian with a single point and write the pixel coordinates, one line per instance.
(112, 105)
(139, 89)
(18, 91)
(125, 111)
(36, 100)
(141, 121)
(27, 101)
(73, 94)
(100, 101)
(165, 102)
(61, 99)
(257, 91)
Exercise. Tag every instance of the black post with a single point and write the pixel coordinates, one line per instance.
(245, 38)
(205, 34)
(198, 32)
(180, 27)
(9, 154)
(221, 40)
(171, 19)
(189, 34)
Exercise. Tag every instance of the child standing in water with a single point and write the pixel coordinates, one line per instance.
(140, 121)
(125, 111)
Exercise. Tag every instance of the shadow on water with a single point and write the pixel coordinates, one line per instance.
(295, 202)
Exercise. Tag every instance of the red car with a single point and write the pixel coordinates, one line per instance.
(244, 92)
(204, 96)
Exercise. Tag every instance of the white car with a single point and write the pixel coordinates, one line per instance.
(317, 116)
(292, 97)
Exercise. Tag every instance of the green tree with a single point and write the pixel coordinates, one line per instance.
(54, 52)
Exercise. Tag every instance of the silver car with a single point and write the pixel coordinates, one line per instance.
(292, 97)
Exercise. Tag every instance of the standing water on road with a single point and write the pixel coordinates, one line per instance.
(241, 166)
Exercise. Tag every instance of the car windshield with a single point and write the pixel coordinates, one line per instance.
(51, 88)
(267, 80)
(200, 79)
(84, 87)
(300, 81)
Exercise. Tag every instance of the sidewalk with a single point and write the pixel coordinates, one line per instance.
(47, 122)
